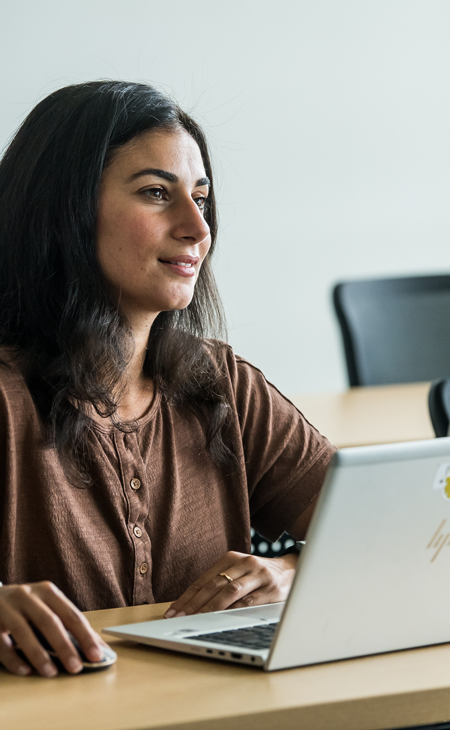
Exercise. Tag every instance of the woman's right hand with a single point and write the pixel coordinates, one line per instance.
(48, 609)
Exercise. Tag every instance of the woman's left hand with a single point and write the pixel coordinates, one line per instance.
(253, 581)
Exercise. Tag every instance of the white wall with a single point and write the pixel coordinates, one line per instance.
(330, 127)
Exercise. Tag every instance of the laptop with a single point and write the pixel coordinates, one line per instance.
(372, 577)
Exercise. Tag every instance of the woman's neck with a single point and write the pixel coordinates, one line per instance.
(138, 389)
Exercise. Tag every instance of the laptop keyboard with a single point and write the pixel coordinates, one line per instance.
(252, 637)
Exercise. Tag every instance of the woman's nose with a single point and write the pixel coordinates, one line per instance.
(190, 222)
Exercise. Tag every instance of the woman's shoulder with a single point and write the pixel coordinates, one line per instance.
(224, 357)
(17, 409)
(253, 395)
(244, 378)
(226, 363)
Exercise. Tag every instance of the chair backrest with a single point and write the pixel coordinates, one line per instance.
(395, 330)
(439, 406)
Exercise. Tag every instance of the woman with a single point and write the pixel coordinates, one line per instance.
(136, 453)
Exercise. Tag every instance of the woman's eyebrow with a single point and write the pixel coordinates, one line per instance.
(165, 175)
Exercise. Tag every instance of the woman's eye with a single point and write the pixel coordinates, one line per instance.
(201, 202)
(155, 193)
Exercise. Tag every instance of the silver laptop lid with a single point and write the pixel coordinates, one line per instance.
(373, 576)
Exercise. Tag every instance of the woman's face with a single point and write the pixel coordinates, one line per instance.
(151, 233)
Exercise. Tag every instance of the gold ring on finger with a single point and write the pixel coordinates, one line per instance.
(228, 577)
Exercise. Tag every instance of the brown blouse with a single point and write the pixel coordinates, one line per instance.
(159, 512)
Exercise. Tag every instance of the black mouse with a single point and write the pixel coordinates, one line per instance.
(109, 656)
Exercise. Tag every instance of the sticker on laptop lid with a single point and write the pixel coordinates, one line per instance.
(442, 480)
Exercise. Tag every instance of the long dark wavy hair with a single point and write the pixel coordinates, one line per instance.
(56, 308)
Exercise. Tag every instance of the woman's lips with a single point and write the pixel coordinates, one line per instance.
(182, 265)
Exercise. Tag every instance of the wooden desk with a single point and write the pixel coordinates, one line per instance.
(150, 688)
(375, 415)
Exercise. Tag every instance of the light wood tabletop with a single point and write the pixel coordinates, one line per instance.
(371, 415)
(154, 689)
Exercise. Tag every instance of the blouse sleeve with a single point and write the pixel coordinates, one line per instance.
(286, 458)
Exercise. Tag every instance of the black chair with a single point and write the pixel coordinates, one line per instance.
(439, 406)
(395, 330)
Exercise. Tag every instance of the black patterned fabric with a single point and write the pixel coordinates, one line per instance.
(265, 549)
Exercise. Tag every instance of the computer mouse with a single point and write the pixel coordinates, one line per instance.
(109, 656)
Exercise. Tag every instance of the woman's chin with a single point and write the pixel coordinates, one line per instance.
(178, 302)
(174, 306)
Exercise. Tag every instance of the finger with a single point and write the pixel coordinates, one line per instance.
(207, 592)
(67, 616)
(249, 585)
(220, 594)
(177, 606)
(275, 584)
(48, 609)
(256, 598)
(26, 640)
(197, 594)
(10, 659)
(225, 564)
